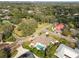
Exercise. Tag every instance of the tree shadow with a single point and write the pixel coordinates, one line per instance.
(7, 50)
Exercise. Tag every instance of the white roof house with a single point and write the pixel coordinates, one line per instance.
(64, 51)
(30, 11)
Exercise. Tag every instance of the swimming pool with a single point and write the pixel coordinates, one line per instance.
(40, 46)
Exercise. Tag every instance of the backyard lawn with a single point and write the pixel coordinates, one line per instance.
(34, 50)
(51, 51)
(40, 53)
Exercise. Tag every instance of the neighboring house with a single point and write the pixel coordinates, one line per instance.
(30, 11)
(41, 42)
(59, 27)
(64, 51)
(6, 17)
(5, 10)
(75, 14)
(74, 32)
(4, 45)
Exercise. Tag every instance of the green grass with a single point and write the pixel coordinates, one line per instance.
(51, 51)
(66, 32)
(34, 50)
(26, 45)
(38, 53)
(50, 28)
(42, 26)
(14, 53)
(10, 39)
(54, 36)
(3, 54)
(41, 53)
(61, 40)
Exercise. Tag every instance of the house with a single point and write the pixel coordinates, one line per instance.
(30, 11)
(74, 31)
(64, 51)
(0, 15)
(5, 10)
(41, 42)
(59, 27)
(6, 17)
(75, 14)
(4, 45)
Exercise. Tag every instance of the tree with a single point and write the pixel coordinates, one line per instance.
(49, 18)
(3, 54)
(27, 27)
(15, 20)
(7, 28)
(7, 51)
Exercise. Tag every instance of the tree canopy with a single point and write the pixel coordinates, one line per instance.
(27, 26)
